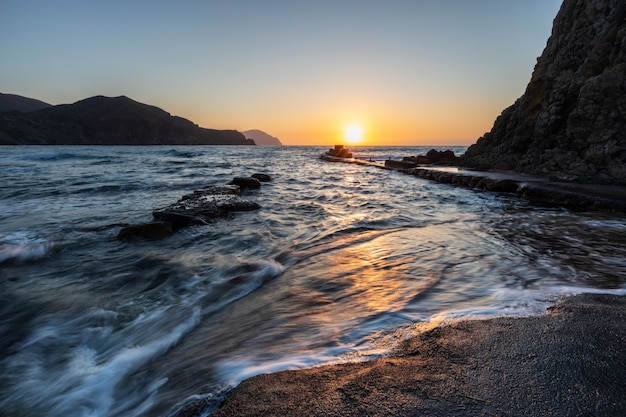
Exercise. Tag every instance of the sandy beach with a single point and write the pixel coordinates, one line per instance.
(568, 362)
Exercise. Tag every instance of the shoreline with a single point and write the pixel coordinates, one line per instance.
(570, 361)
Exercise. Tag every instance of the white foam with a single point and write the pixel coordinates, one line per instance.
(234, 370)
(506, 302)
(43, 156)
(517, 302)
(22, 246)
(82, 380)
(269, 269)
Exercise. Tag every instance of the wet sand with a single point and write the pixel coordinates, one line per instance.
(568, 362)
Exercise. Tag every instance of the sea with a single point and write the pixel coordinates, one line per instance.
(341, 263)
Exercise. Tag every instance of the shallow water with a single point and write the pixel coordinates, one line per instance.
(339, 259)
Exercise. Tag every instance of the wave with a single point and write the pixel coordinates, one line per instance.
(187, 153)
(58, 156)
(20, 247)
(73, 366)
(87, 360)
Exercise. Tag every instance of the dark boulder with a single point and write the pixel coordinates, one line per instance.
(246, 183)
(446, 157)
(433, 157)
(262, 177)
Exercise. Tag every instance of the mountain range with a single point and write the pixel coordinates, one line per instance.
(13, 102)
(102, 121)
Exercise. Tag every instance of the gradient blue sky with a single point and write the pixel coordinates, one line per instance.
(409, 72)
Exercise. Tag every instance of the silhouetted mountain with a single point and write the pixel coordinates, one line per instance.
(109, 121)
(262, 138)
(13, 102)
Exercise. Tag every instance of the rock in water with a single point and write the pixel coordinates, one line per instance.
(246, 183)
(571, 121)
(262, 177)
(203, 206)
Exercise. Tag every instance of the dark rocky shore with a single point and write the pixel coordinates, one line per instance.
(562, 143)
(569, 362)
(539, 190)
(571, 120)
(542, 191)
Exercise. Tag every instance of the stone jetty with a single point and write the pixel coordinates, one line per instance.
(538, 190)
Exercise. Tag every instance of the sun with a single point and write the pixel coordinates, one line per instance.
(353, 133)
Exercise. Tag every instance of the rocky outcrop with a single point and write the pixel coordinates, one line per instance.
(537, 191)
(261, 138)
(246, 183)
(108, 121)
(262, 177)
(432, 157)
(571, 121)
(338, 152)
(201, 207)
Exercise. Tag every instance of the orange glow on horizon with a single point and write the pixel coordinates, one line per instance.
(439, 124)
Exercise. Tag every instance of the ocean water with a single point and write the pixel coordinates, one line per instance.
(334, 267)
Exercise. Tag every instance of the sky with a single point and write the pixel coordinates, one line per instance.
(318, 72)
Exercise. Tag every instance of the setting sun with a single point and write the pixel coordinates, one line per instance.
(353, 133)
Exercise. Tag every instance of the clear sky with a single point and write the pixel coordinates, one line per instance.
(402, 72)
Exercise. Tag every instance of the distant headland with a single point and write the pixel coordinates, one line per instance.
(261, 138)
(102, 121)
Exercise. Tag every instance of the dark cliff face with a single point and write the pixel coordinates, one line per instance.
(109, 121)
(571, 121)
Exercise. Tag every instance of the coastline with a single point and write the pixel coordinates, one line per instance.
(570, 361)
(540, 191)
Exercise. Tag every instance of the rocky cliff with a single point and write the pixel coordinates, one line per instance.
(108, 121)
(571, 121)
